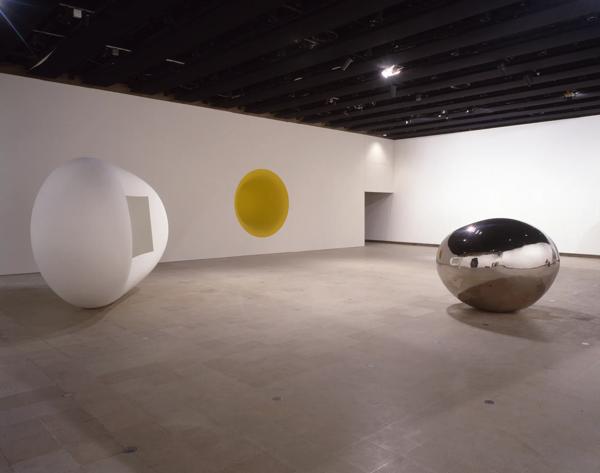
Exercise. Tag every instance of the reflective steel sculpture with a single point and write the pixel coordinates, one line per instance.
(498, 265)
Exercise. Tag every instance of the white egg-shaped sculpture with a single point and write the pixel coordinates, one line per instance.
(96, 231)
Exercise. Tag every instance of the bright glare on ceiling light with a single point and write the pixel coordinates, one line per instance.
(391, 71)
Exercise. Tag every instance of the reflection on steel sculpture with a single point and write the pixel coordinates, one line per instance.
(498, 265)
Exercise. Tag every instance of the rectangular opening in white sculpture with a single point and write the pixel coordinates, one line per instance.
(141, 227)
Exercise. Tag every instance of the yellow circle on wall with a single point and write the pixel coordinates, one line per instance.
(261, 203)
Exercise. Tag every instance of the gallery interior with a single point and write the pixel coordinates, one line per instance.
(300, 236)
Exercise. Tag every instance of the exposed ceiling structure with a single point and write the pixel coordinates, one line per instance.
(453, 65)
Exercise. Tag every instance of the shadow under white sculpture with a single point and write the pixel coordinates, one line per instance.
(96, 231)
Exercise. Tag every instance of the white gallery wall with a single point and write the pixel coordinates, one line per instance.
(193, 157)
(546, 174)
(379, 167)
(418, 189)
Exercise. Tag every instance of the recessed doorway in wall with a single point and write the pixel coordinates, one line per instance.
(377, 209)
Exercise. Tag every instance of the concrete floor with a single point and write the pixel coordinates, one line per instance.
(342, 361)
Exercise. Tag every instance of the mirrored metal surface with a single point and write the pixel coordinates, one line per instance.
(498, 265)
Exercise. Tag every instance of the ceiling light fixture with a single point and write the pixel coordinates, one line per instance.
(175, 61)
(347, 63)
(571, 94)
(391, 71)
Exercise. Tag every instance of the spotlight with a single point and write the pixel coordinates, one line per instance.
(391, 71)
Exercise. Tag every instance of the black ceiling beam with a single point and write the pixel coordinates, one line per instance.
(442, 100)
(516, 111)
(574, 82)
(561, 115)
(530, 66)
(373, 123)
(473, 94)
(330, 17)
(557, 14)
(495, 56)
(556, 98)
(565, 60)
(404, 29)
(226, 16)
(106, 25)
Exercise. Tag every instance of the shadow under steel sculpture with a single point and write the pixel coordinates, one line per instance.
(498, 265)
(96, 231)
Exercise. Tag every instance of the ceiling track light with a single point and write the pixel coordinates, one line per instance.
(391, 71)
(571, 94)
(77, 11)
(311, 43)
(464, 85)
(347, 64)
(116, 50)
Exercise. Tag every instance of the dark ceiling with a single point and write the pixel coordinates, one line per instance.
(466, 64)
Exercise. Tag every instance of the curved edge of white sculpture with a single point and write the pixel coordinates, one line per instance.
(84, 227)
